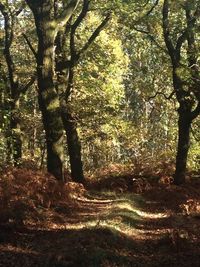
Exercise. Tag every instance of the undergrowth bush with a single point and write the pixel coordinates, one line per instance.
(26, 193)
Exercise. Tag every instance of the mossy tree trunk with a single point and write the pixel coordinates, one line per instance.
(47, 27)
(48, 98)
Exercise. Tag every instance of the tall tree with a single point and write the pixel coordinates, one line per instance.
(15, 87)
(186, 79)
(65, 68)
(47, 27)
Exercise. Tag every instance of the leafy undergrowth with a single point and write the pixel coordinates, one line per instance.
(28, 197)
(134, 219)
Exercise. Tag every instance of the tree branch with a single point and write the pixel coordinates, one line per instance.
(195, 113)
(76, 56)
(94, 35)
(4, 10)
(82, 15)
(166, 31)
(152, 8)
(20, 9)
(148, 12)
(30, 45)
(66, 14)
(182, 38)
(140, 30)
(163, 94)
(151, 37)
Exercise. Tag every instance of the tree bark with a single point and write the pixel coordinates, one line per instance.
(184, 125)
(186, 97)
(74, 147)
(65, 79)
(13, 86)
(47, 27)
(15, 127)
(48, 98)
(15, 142)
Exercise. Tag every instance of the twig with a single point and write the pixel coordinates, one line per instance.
(163, 94)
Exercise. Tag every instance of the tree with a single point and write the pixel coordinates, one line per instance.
(186, 80)
(15, 87)
(179, 26)
(47, 27)
(67, 59)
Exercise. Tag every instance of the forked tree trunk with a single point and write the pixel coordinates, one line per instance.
(184, 125)
(47, 26)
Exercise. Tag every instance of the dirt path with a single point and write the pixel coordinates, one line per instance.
(107, 230)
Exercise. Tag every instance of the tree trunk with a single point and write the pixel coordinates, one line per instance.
(48, 98)
(16, 133)
(15, 142)
(74, 147)
(184, 125)
(54, 140)
(64, 89)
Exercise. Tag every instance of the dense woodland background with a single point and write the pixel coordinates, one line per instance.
(117, 82)
(105, 94)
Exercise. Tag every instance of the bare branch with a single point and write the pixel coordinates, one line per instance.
(182, 38)
(140, 30)
(76, 56)
(82, 15)
(148, 12)
(3, 9)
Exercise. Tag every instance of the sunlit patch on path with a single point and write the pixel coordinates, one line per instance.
(108, 229)
(121, 214)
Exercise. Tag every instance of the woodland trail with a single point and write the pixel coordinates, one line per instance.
(109, 229)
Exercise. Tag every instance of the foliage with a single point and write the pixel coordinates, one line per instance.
(121, 118)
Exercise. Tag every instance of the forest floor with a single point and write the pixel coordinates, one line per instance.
(116, 221)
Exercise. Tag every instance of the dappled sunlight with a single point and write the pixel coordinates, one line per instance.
(99, 131)
(115, 228)
(119, 214)
(143, 214)
(101, 230)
